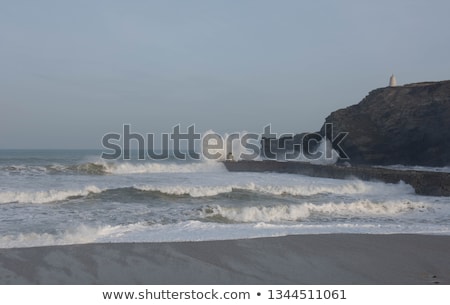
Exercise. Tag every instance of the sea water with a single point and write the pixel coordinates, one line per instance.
(54, 197)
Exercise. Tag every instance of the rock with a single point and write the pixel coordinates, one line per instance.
(407, 125)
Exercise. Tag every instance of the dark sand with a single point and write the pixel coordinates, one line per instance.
(302, 259)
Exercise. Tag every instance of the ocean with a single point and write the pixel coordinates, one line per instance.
(56, 197)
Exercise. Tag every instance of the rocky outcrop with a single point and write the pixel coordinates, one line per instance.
(407, 125)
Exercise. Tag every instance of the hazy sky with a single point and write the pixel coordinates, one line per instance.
(71, 71)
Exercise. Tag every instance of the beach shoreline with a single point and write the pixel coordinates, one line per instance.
(296, 259)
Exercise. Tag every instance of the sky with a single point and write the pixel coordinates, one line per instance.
(72, 71)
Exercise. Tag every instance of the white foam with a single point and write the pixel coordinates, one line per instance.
(327, 154)
(230, 143)
(45, 196)
(263, 214)
(79, 235)
(24, 169)
(163, 167)
(324, 154)
(298, 212)
(193, 230)
(193, 191)
(307, 187)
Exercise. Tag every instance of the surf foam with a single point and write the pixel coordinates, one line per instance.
(45, 196)
(308, 187)
(299, 212)
(79, 235)
(123, 168)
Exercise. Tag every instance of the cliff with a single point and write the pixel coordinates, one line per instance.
(407, 125)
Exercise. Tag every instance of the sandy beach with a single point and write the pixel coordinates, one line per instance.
(300, 259)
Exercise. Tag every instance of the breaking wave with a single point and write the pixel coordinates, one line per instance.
(346, 188)
(299, 212)
(195, 191)
(89, 168)
(163, 167)
(118, 168)
(45, 196)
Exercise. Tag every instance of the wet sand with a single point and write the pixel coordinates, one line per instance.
(299, 259)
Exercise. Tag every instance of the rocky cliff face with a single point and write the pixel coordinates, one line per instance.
(407, 125)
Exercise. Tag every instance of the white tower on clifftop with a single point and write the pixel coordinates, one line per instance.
(392, 81)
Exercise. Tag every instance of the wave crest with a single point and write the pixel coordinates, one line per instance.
(299, 212)
(45, 196)
(117, 168)
(163, 167)
(346, 188)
